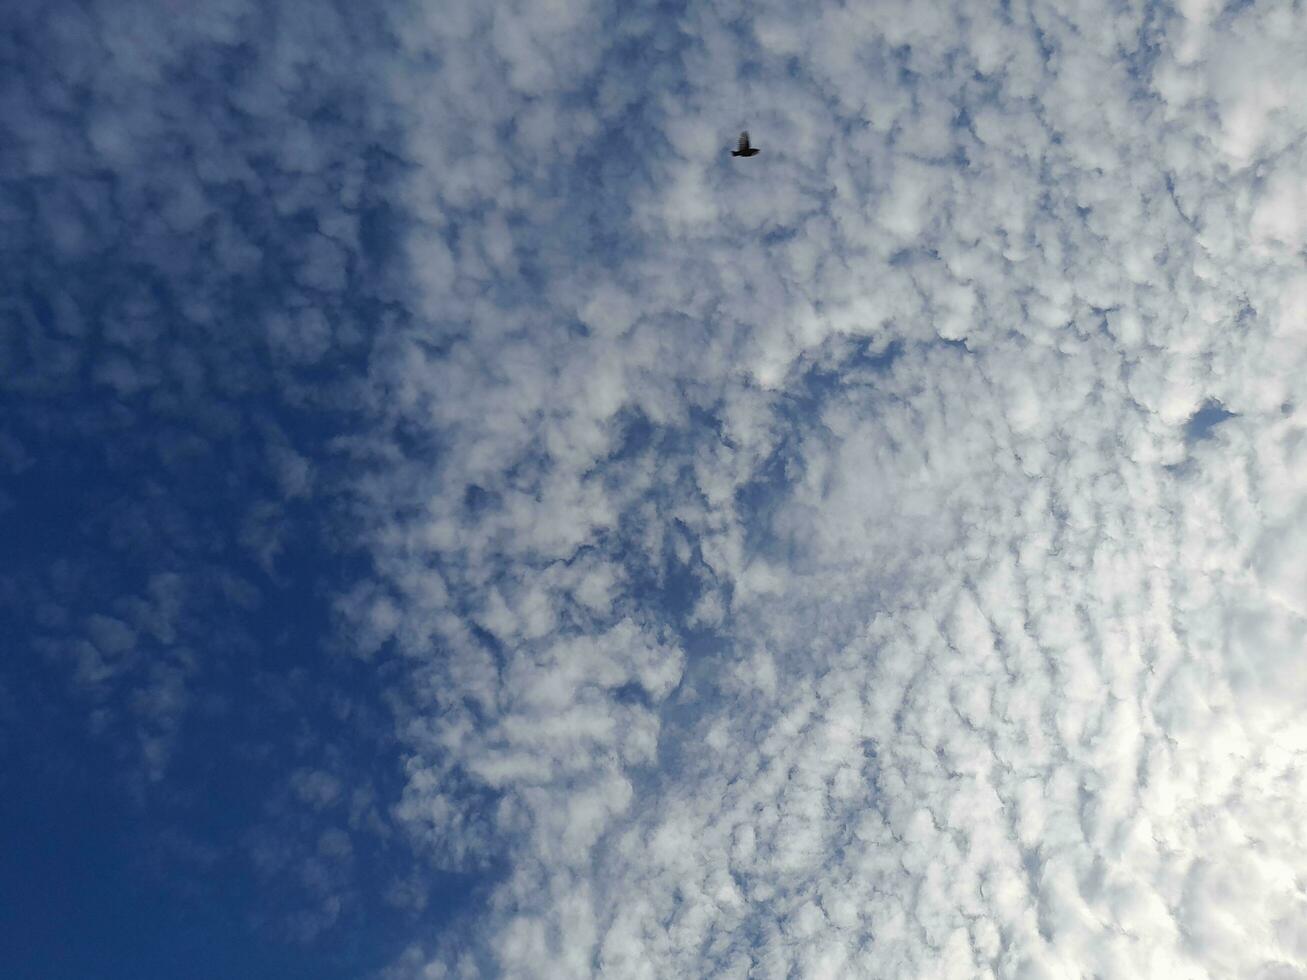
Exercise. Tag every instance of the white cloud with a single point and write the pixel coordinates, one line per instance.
(1004, 667)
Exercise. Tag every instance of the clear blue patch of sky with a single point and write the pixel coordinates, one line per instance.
(1202, 422)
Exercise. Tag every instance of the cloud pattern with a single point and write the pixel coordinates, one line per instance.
(877, 558)
(822, 580)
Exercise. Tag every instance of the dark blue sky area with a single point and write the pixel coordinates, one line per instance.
(196, 772)
(203, 868)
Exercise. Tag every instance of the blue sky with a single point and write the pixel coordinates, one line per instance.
(139, 792)
(457, 521)
(169, 573)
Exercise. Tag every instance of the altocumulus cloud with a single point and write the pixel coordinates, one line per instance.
(877, 558)
(813, 570)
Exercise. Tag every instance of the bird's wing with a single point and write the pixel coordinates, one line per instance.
(744, 141)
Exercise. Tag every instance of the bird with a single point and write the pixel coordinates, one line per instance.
(744, 149)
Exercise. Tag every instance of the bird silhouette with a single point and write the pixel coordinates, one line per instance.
(744, 149)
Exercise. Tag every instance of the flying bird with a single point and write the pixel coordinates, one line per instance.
(744, 149)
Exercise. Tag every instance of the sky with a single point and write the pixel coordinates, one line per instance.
(457, 521)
